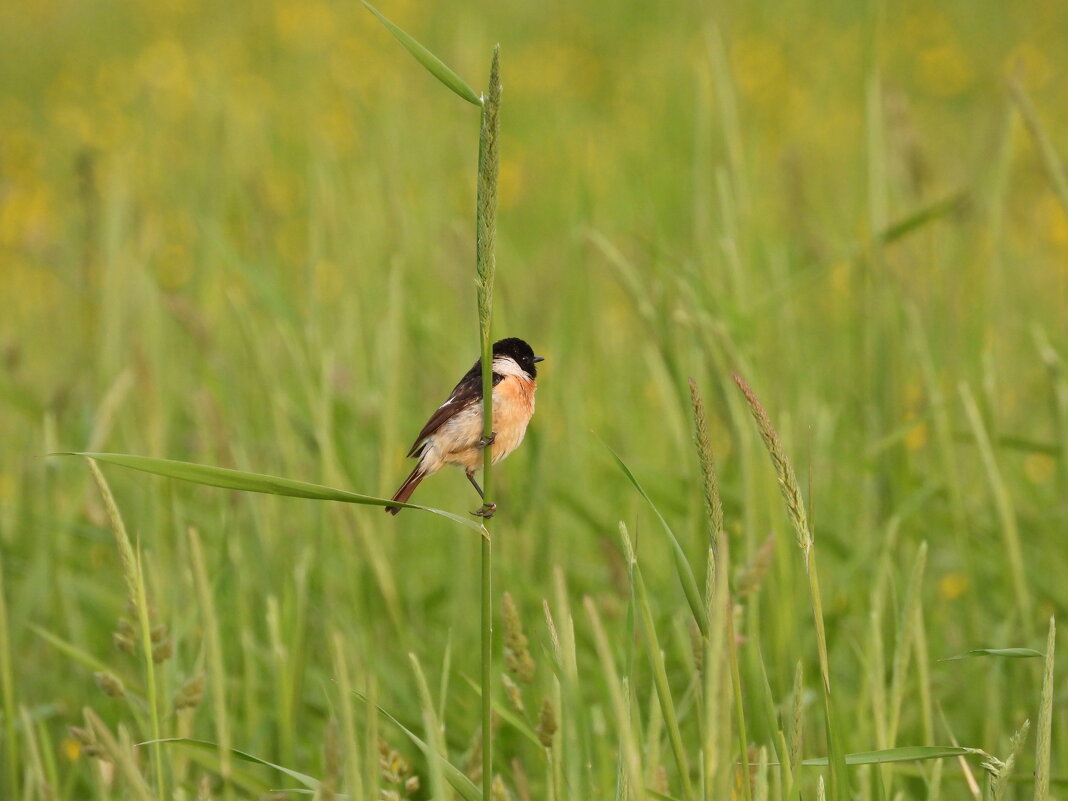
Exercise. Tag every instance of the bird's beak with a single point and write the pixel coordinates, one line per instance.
(539, 359)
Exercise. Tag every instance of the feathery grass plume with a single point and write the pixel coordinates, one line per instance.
(486, 202)
(135, 585)
(1045, 718)
(1001, 771)
(546, 722)
(517, 656)
(191, 693)
(784, 471)
(713, 504)
(109, 684)
(791, 492)
(485, 270)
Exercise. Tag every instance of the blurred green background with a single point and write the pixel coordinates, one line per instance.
(242, 234)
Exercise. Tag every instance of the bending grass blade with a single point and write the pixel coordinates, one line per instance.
(1007, 653)
(227, 478)
(909, 753)
(453, 775)
(682, 565)
(656, 662)
(434, 65)
(929, 213)
(1006, 510)
(206, 745)
(1050, 160)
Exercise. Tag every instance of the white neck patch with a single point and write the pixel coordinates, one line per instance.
(506, 365)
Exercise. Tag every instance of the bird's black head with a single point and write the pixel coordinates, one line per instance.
(520, 351)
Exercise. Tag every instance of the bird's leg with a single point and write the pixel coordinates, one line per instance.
(471, 478)
(485, 442)
(488, 509)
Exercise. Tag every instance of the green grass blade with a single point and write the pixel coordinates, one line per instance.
(1006, 653)
(656, 662)
(227, 478)
(918, 219)
(83, 657)
(453, 775)
(682, 564)
(506, 714)
(434, 65)
(909, 753)
(1045, 719)
(207, 745)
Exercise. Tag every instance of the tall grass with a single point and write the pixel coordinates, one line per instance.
(242, 238)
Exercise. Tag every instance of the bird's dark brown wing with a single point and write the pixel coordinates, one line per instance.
(468, 391)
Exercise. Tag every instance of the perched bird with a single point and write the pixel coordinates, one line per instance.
(453, 434)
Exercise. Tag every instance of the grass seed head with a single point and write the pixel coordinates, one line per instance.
(110, 684)
(784, 471)
(547, 724)
(516, 647)
(190, 694)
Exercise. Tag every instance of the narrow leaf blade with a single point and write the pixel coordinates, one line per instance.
(227, 478)
(303, 778)
(908, 753)
(1007, 653)
(434, 65)
(682, 564)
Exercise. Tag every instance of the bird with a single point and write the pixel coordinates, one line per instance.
(454, 433)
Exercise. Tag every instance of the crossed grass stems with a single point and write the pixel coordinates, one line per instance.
(721, 767)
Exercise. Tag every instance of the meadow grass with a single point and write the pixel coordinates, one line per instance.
(242, 237)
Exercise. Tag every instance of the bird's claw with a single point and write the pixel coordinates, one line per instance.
(485, 442)
(486, 511)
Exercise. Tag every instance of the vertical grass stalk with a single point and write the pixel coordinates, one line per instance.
(795, 505)
(7, 693)
(485, 267)
(133, 573)
(1045, 719)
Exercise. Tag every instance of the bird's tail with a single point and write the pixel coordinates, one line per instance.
(406, 489)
